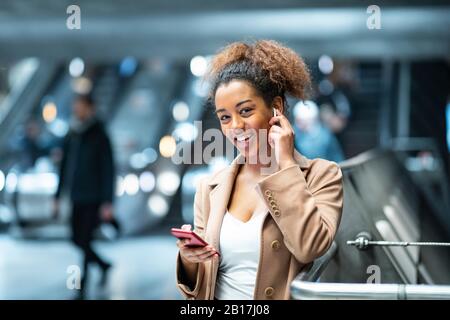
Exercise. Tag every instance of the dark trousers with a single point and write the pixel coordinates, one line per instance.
(84, 221)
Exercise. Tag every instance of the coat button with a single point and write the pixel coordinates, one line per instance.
(268, 193)
(275, 245)
(277, 213)
(269, 291)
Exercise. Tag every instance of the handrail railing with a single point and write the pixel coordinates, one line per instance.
(23, 98)
(305, 290)
(304, 286)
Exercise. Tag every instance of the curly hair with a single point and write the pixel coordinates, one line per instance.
(271, 68)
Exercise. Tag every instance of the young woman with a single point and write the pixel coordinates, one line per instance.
(266, 227)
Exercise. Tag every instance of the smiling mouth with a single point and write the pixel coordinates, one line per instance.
(242, 139)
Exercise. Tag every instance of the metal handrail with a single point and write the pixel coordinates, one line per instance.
(304, 286)
(305, 290)
(364, 240)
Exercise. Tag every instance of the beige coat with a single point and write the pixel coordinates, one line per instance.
(305, 205)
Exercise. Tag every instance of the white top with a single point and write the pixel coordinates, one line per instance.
(239, 250)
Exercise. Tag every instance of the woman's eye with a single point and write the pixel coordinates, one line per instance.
(245, 110)
(222, 118)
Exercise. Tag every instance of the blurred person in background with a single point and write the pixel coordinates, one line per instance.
(86, 175)
(335, 99)
(312, 138)
(33, 142)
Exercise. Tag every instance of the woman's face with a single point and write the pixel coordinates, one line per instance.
(243, 114)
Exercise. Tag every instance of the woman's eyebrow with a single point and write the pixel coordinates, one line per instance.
(237, 105)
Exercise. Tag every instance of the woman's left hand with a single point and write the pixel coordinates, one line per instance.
(281, 139)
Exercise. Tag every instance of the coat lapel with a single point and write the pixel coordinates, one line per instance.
(222, 184)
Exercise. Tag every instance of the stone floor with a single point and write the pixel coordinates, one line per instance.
(144, 268)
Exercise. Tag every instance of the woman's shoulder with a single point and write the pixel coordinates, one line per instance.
(319, 163)
(203, 181)
(315, 165)
(319, 167)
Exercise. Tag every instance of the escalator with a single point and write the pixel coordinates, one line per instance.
(157, 115)
(390, 243)
(29, 80)
(30, 143)
(138, 111)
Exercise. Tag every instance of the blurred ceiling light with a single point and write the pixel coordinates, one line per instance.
(44, 164)
(150, 155)
(185, 131)
(59, 127)
(147, 181)
(180, 111)
(120, 188)
(6, 214)
(127, 66)
(2, 180)
(138, 161)
(217, 163)
(158, 205)
(326, 87)
(168, 182)
(198, 65)
(167, 146)
(131, 184)
(306, 110)
(81, 85)
(76, 67)
(200, 87)
(11, 182)
(49, 112)
(191, 179)
(325, 64)
(42, 183)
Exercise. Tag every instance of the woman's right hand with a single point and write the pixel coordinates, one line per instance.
(194, 255)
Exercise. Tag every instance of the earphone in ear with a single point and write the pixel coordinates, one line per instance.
(275, 114)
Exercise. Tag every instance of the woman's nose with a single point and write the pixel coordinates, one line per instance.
(237, 123)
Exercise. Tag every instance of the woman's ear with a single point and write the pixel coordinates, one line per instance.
(278, 104)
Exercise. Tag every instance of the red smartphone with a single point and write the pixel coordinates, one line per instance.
(196, 240)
